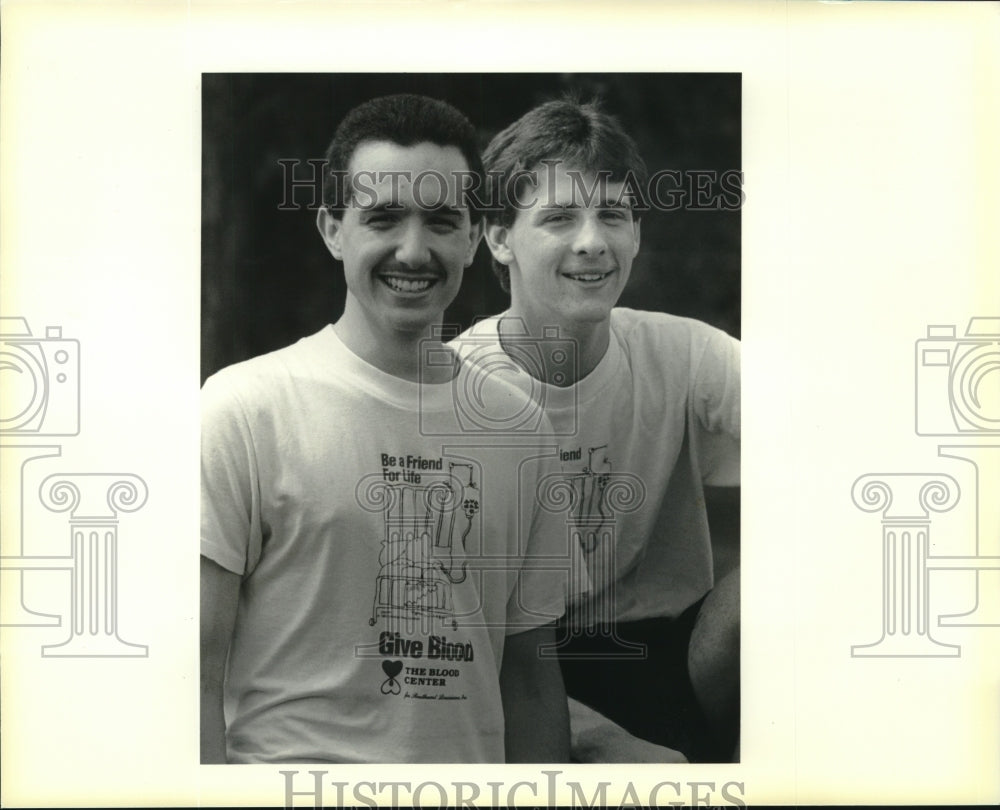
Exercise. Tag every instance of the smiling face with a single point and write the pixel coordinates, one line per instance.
(404, 238)
(569, 249)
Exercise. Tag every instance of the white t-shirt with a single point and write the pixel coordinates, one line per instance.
(380, 546)
(639, 436)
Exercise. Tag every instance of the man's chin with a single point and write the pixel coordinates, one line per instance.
(415, 324)
(590, 312)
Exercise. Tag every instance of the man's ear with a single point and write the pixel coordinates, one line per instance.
(635, 238)
(497, 237)
(329, 228)
(475, 234)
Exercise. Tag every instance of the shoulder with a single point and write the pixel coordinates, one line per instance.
(675, 347)
(640, 322)
(257, 380)
(482, 332)
(487, 384)
(247, 374)
(479, 346)
(641, 329)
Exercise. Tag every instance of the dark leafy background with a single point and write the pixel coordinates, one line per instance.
(267, 278)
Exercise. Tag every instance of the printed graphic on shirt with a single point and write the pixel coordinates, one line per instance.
(589, 511)
(429, 508)
(432, 665)
(594, 496)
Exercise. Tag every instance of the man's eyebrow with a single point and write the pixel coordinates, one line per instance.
(386, 205)
(444, 209)
(611, 202)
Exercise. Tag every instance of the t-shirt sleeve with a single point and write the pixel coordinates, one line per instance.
(716, 405)
(230, 533)
(552, 566)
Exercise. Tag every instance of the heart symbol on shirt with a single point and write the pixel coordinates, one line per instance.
(392, 668)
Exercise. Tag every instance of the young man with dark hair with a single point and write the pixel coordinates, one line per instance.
(649, 408)
(364, 587)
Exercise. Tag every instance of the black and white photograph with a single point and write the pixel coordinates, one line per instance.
(598, 267)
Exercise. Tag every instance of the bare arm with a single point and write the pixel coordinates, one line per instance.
(219, 596)
(597, 739)
(534, 700)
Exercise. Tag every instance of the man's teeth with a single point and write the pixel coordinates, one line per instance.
(588, 276)
(407, 284)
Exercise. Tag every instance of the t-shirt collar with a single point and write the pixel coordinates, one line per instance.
(332, 351)
(561, 398)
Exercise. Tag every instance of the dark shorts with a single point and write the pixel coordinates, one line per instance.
(651, 697)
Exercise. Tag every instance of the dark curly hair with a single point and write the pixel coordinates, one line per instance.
(404, 119)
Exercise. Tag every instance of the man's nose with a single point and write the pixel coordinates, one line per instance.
(589, 238)
(412, 249)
